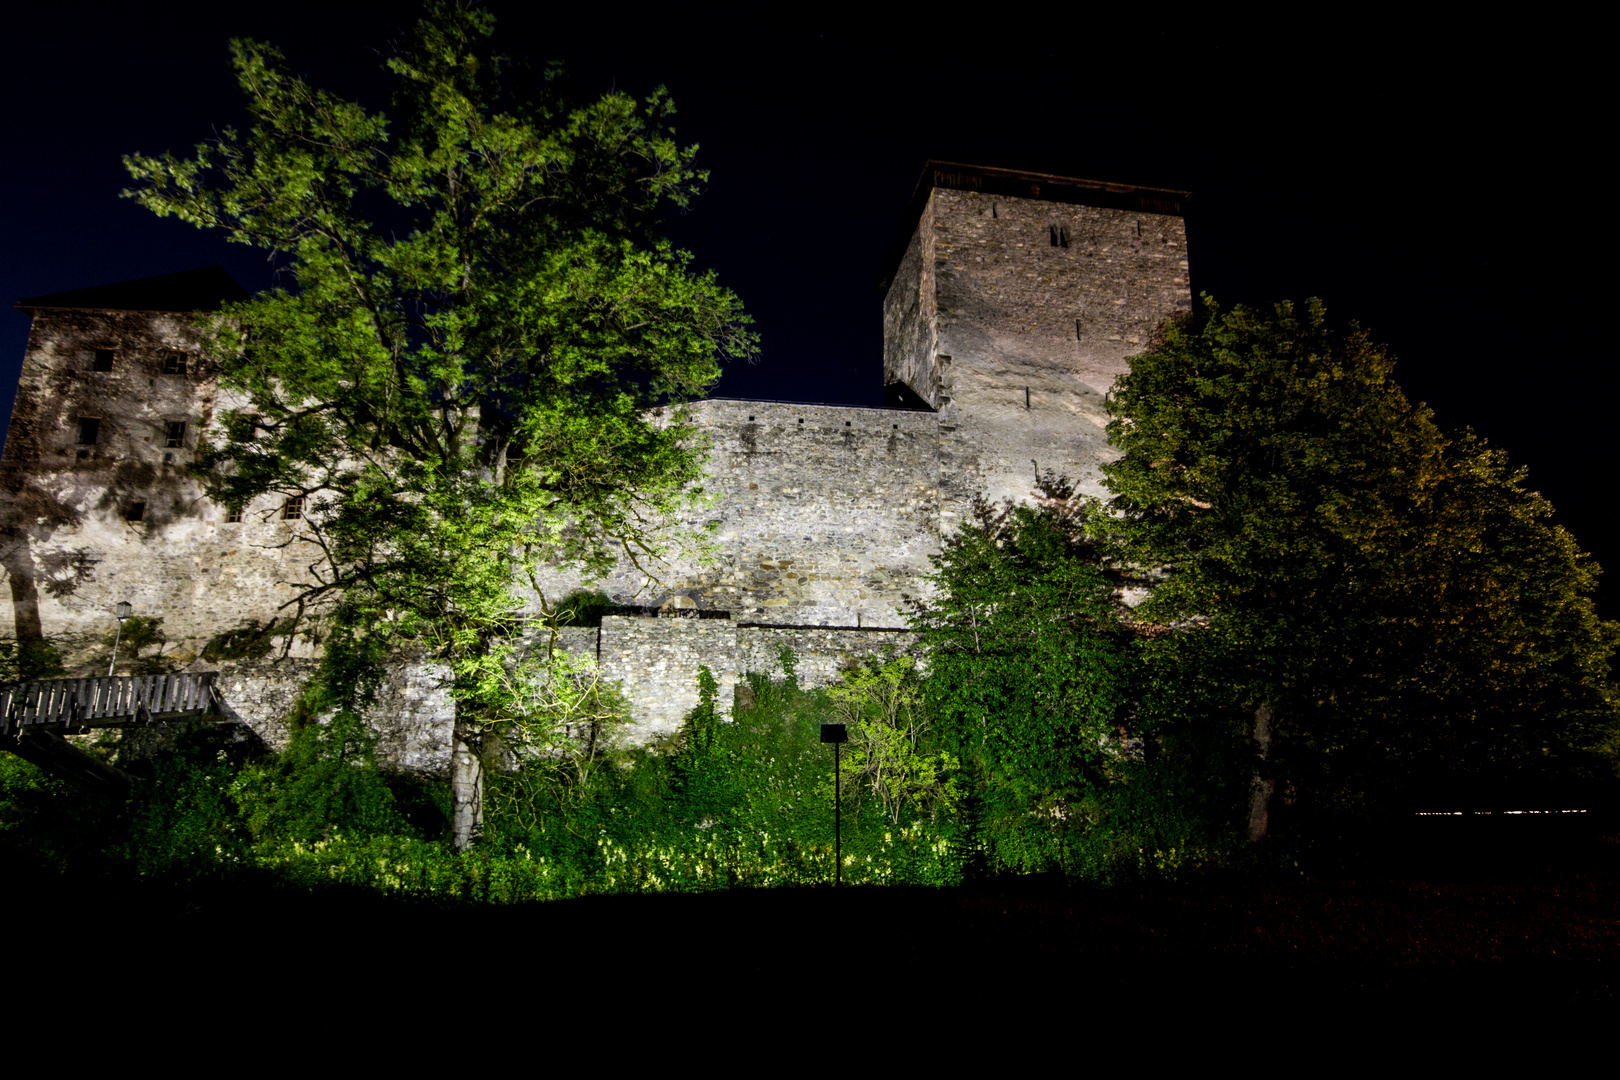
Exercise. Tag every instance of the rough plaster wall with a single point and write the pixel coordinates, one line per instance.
(65, 536)
(413, 715)
(826, 516)
(822, 654)
(656, 661)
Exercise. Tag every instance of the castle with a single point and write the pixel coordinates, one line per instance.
(1011, 300)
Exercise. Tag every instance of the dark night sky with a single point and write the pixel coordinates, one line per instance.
(1435, 184)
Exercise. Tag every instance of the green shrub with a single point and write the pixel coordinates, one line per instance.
(723, 804)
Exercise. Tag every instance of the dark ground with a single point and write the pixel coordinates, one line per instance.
(1450, 913)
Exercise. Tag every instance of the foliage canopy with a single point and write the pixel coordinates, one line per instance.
(1393, 596)
(1030, 670)
(477, 362)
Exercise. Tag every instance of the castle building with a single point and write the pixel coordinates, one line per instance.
(1011, 301)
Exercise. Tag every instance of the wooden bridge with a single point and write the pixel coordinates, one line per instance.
(35, 715)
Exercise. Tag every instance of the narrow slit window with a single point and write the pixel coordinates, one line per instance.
(102, 361)
(174, 364)
(293, 508)
(1063, 236)
(89, 430)
(135, 511)
(1053, 230)
(174, 433)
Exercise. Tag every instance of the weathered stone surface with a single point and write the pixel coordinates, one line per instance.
(825, 516)
(1008, 311)
(413, 715)
(1025, 311)
(822, 655)
(67, 541)
(656, 662)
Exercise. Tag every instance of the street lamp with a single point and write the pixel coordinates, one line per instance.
(836, 734)
(121, 612)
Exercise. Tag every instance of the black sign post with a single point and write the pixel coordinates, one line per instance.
(836, 734)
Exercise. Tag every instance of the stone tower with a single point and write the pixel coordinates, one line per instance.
(97, 504)
(1011, 302)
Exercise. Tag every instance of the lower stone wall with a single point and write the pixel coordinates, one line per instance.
(656, 662)
(413, 716)
(579, 641)
(822, 653)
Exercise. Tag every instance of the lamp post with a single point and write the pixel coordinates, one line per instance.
(836, 734)
(121, 612)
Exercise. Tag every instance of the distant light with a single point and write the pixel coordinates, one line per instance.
(121, 612)
(1459, 813)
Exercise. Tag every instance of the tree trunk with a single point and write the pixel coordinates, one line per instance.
(19, 566)
(1260, 792)
(466, 786)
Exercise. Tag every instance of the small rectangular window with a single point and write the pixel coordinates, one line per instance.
(174, 433)
(293, 508)
(89, 430)
(174, 364)
(233, 515)
(136, 511)
(103, 360)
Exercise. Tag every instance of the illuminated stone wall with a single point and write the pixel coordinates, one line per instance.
(1008, 313)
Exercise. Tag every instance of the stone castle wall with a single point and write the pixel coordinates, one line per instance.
(656, 660)
(824, 516)
(1008, 316)
(413, 716)
(73, 544)
(1035, 305)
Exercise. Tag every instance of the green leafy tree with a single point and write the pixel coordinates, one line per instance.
(1370, 593)
(1030, 668)
(478, 362)
(882, 704)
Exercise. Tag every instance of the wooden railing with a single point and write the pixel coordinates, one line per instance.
(80, 704)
